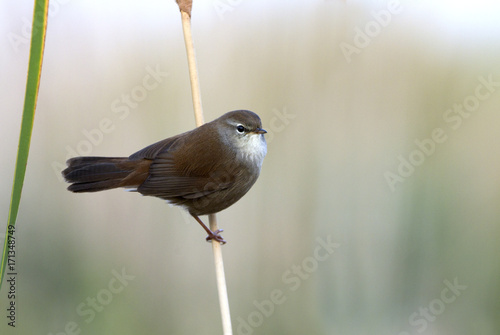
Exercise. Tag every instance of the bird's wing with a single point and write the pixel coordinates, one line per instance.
(151, 151)
(166, 182)
(176, 179)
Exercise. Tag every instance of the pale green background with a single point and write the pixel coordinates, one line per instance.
(348, 122)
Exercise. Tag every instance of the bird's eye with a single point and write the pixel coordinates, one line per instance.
(240, 129)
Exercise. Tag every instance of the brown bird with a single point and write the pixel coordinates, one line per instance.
(205, 170)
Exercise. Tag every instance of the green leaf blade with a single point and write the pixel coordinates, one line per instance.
(32, 83)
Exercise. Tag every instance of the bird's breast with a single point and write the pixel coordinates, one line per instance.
(253, 150)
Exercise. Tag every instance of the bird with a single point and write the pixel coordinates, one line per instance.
(204, 170)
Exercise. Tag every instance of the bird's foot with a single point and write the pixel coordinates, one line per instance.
(214, 235)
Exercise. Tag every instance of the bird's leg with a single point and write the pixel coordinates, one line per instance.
(212, 235)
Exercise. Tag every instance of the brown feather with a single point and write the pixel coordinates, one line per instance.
(203, 170)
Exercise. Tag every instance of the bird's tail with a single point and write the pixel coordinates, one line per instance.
(93, 174)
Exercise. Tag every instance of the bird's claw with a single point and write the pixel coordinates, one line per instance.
(215, 236)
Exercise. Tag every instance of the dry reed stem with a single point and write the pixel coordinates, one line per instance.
(185, 7)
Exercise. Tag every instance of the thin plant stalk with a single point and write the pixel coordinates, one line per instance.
(39, 28)
(185, 7)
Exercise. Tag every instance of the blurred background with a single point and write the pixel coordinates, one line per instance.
(377, 210)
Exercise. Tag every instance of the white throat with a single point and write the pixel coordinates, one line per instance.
(253, 148)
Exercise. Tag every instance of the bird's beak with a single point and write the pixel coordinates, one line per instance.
(259, 131)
